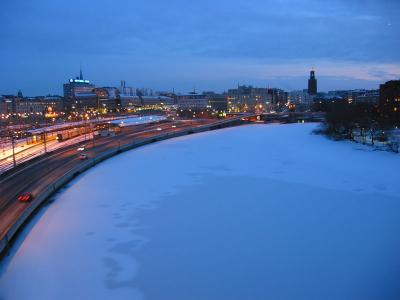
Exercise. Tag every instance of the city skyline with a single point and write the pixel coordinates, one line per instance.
(301, 86)
(205, 45)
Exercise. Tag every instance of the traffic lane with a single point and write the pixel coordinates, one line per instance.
(43, 178)
(89, 143)
(15, 208)
(39, 149)
(12, 188)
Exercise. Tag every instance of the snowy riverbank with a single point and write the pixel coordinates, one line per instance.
(252, 212)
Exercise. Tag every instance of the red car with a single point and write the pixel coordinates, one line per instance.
(25, 197)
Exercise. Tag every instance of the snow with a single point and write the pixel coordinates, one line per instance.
(138, 120)
(252, 212)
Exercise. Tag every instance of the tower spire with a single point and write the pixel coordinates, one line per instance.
(80, 72)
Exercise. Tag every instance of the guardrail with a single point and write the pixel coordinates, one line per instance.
(42, 196)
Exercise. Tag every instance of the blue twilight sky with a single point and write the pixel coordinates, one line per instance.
(209, 44)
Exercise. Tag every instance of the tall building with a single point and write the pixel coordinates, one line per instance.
(126, 90)
(247, 98)
(312, 84)
(3, 105)
(389, 100)
(76, 86)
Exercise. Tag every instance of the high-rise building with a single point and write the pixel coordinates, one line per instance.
(389, 101)
(247, 98)
(76, 86)
(3, 105)
(126, 90)
(312, 84)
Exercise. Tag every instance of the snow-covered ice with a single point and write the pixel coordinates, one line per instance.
(252, 212)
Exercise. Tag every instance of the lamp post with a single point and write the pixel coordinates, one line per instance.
(92, 132)
(44, 140)
(13, 149)
(44, 135)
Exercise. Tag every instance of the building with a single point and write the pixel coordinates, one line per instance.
(3, 106)
(369, 97)
(31, 106)
(84, 101)
(156, 100)
(217, 102)
(108, 99)
(279, 97)
(57, 103)
(312, 84)
(301, 97)
(124, 90)
(51, 104)
(355, 96)
(152, 102)
(193, 101)
(245, 98)
(11, 104)
(389, 100)
(129, 102)
(171, 95)
(76, 86)
(249, 98)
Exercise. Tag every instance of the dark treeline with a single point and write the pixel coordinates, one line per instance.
(350, 120)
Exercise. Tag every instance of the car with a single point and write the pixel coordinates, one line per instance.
(159, 128)
(83, 156)
(81, 148)
(173, 126)
(25, 197)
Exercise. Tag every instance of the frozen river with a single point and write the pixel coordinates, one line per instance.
(253, 212)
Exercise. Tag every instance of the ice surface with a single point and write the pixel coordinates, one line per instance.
(253, 212)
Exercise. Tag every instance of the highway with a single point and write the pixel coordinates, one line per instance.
(25, 151)
(42, 173)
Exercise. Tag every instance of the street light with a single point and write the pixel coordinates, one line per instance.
(44, 140)
(13, 150)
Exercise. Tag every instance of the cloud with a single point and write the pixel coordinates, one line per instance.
(125, 35)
